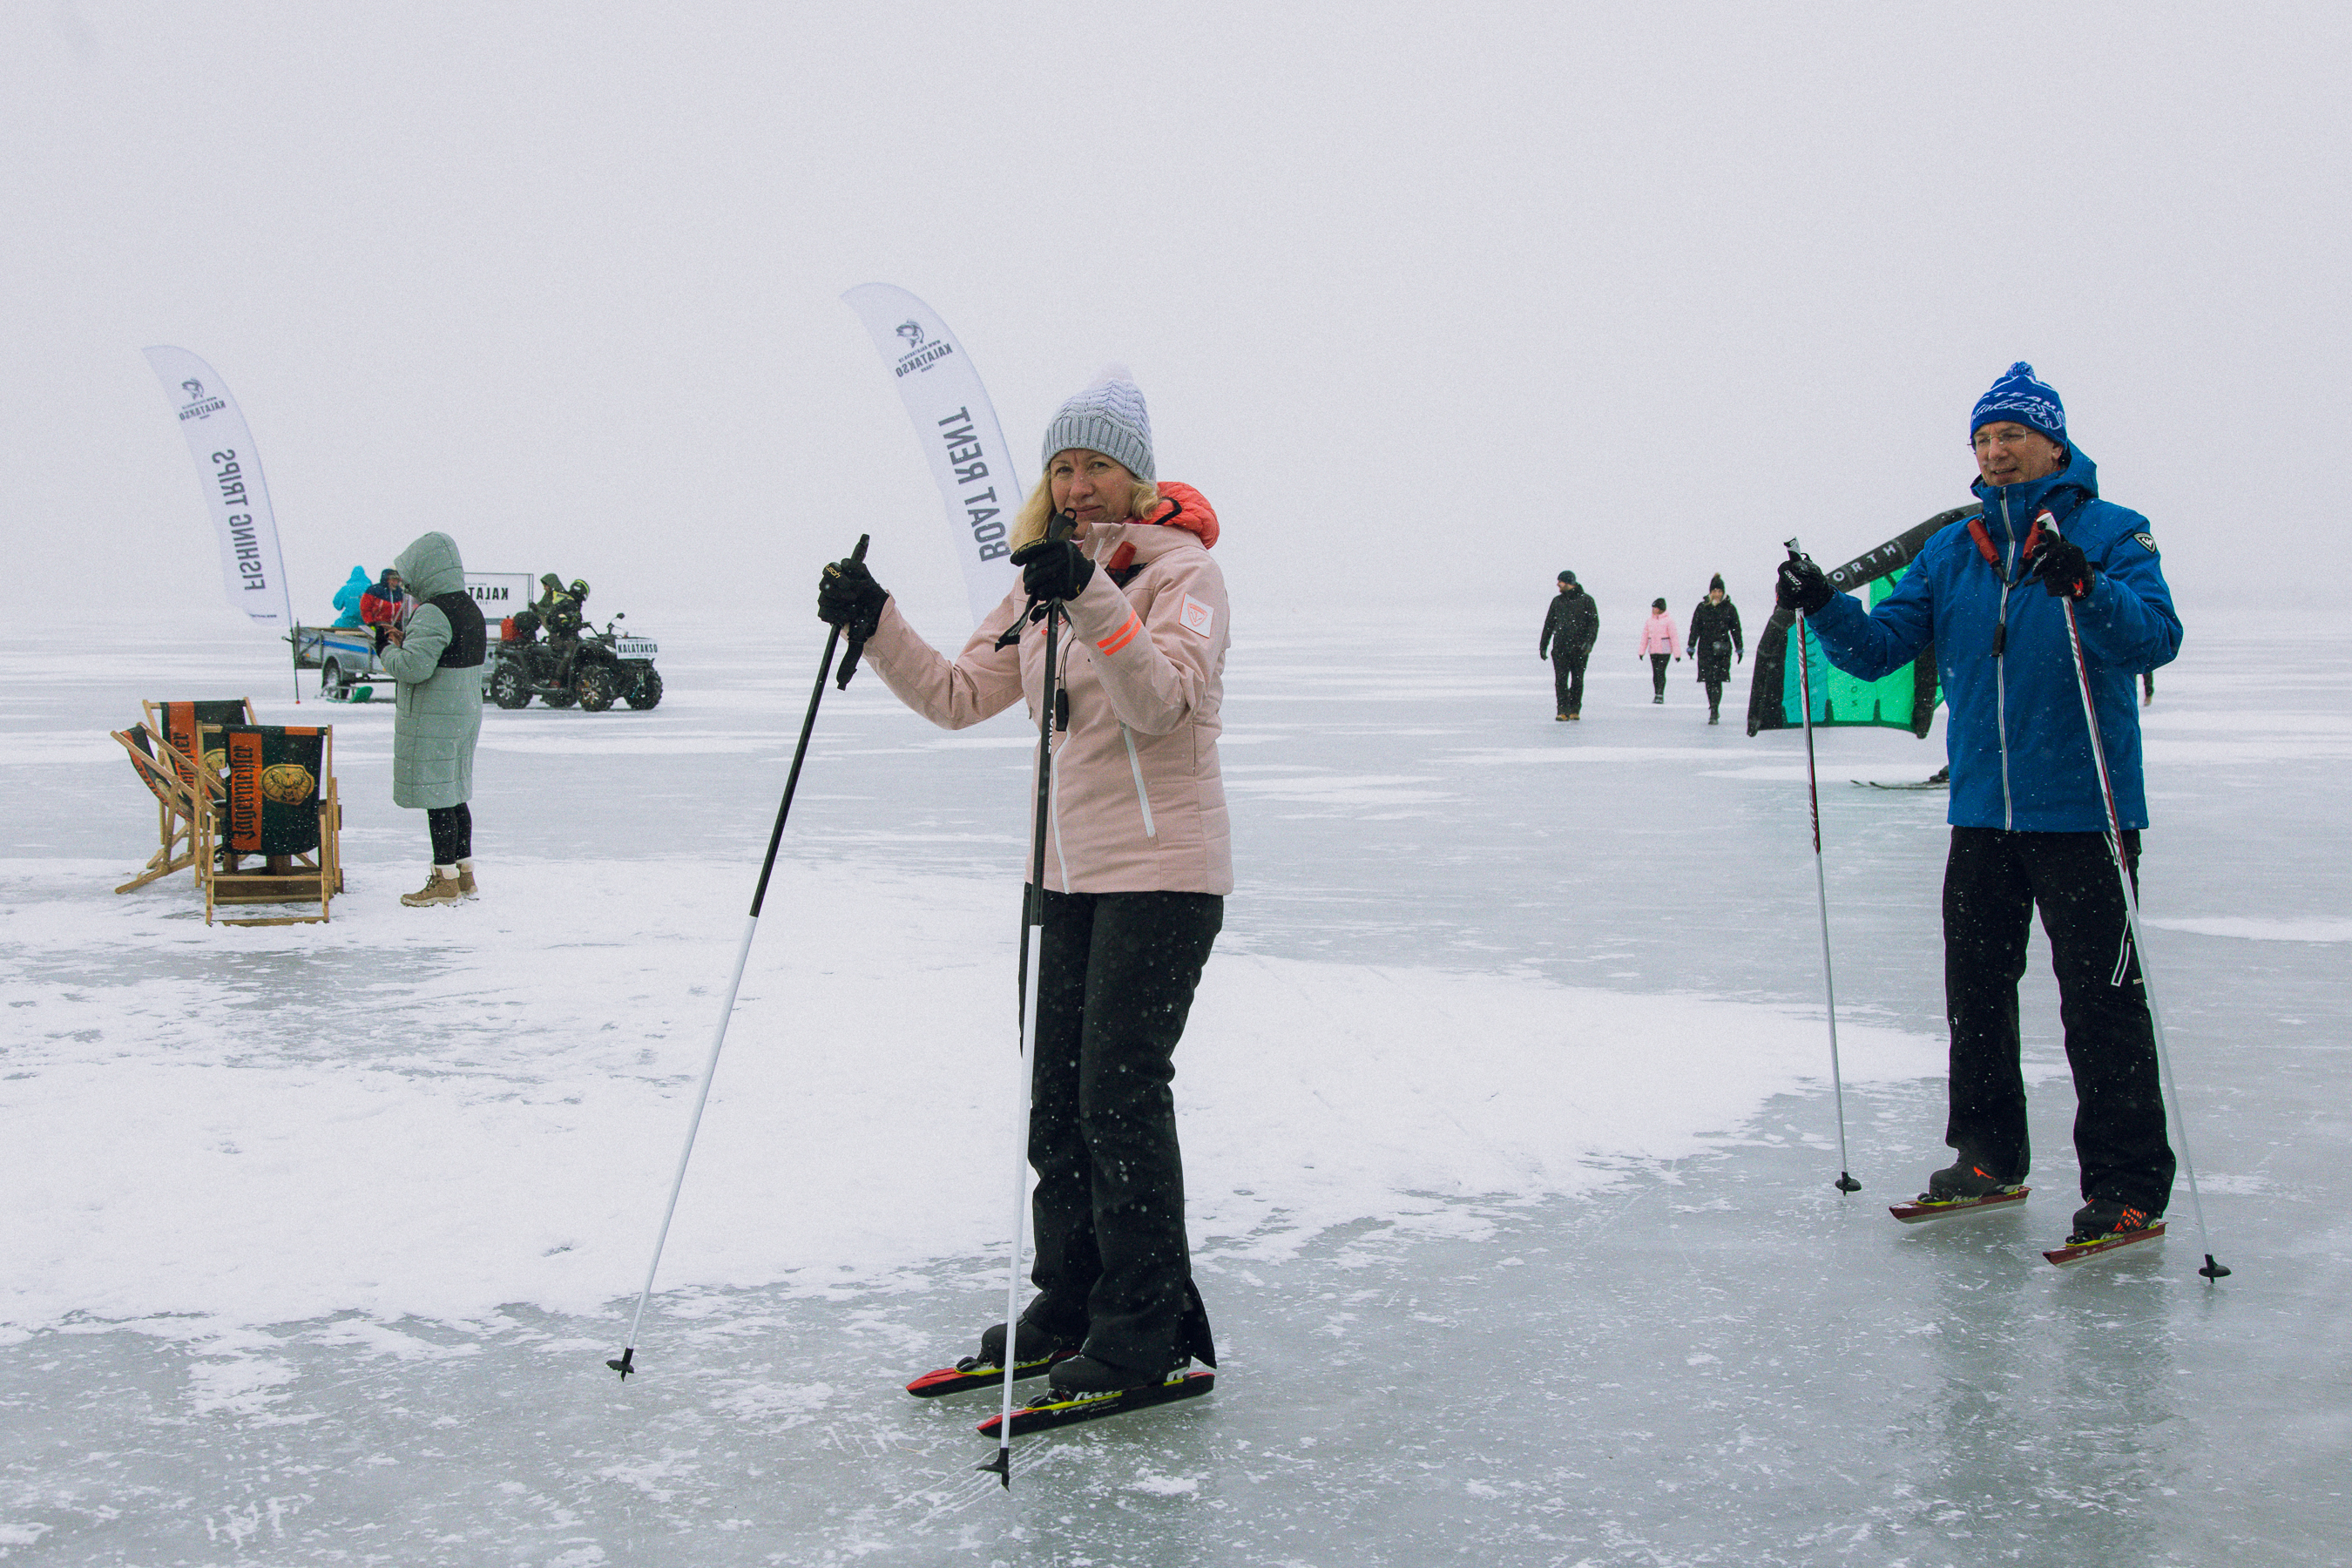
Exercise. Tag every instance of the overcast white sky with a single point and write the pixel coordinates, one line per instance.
(1430, 301)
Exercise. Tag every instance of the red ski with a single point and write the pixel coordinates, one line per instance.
(972, 1373)
(2079, 1252)
(1927, 1208)
(1053, 1412)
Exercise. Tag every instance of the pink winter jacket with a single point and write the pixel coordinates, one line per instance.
(1145, 667)
(1658, 635)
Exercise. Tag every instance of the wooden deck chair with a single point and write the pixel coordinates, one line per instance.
(179, 721)
(176, 807)
(277, 784)
(175, 723)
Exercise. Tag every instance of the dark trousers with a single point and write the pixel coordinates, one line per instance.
(1116, 977)
(1713, 698)
(452, 827)
(1993, 883)
(1658, 662)
(1568, 677)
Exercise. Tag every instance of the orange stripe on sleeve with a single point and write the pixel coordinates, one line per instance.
(1124, 636)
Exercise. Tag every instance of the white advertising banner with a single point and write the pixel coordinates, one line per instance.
(501, 594)
(956, 425)
(252, 569)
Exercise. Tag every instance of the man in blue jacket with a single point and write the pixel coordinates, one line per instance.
(2028, 823)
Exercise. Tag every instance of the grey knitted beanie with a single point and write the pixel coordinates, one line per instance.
(1108, 418)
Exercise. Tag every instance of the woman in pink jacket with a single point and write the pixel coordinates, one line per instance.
(1659, 642)
(1137, 863)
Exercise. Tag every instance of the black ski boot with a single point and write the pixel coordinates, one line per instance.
(1036, 1346)
(2102, 1218)
(1963, 1181)
(1083, 1375)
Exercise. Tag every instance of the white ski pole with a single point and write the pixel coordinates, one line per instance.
(626, 1362)
(2212, 1271)
(1033, 915)
(1845, 1182)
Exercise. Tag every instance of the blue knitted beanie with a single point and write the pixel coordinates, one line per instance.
(1108, 418)
(2020, 396)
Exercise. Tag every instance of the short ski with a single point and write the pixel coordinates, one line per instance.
(1927, 1208)
(2079, 1252)
(973, 1373)
(1940, 779)
(1066, 1411)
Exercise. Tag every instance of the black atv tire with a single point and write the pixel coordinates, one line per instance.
(333, 685)
(508, 687)
(646, 693)
(595, 689)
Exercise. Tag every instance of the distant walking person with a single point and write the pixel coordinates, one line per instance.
(1658, 640)
(1715, 640)
(1570, 628)
(436, 660)
(2029, 812)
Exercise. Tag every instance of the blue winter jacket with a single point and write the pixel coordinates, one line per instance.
(2019, 752)
(347, 597)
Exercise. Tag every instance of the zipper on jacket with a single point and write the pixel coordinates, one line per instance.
(1142, 801)
(2001, 663)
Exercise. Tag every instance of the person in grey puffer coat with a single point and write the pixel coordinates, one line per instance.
(435, 661)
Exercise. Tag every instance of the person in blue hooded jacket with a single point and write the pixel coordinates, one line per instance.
(347, 597)
(2029, 822)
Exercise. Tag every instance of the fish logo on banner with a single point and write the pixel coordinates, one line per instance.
(252, 569)
(198, 407)
(956, 427)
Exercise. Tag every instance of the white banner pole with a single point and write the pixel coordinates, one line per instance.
(956, 425)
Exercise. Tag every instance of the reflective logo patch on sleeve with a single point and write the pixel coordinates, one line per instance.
(1196, 617)
(2147, 541)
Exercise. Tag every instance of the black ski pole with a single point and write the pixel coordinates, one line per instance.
(626, 1362)
(1845, 1182)
(2212, 1271)
(1033, 915)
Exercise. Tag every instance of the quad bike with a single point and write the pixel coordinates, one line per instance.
(590, 668)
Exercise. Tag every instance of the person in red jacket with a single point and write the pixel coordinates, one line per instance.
(384, 607)
(1139, 862)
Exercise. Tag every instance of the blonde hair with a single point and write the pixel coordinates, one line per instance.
(1029, 525)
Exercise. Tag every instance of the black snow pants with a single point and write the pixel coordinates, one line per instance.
(1658, 662)
(1116, 977)
(1993, 883)
(451, 828)
(1568, 677)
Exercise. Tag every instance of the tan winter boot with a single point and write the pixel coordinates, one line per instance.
(465, 888)
(440, 888)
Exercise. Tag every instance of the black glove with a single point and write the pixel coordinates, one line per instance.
(1801, 586)
(2064, 571)
(847, 596)
(1052, 569)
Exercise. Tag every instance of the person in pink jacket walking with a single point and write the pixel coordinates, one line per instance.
(1659, 646)
(1139, 860)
